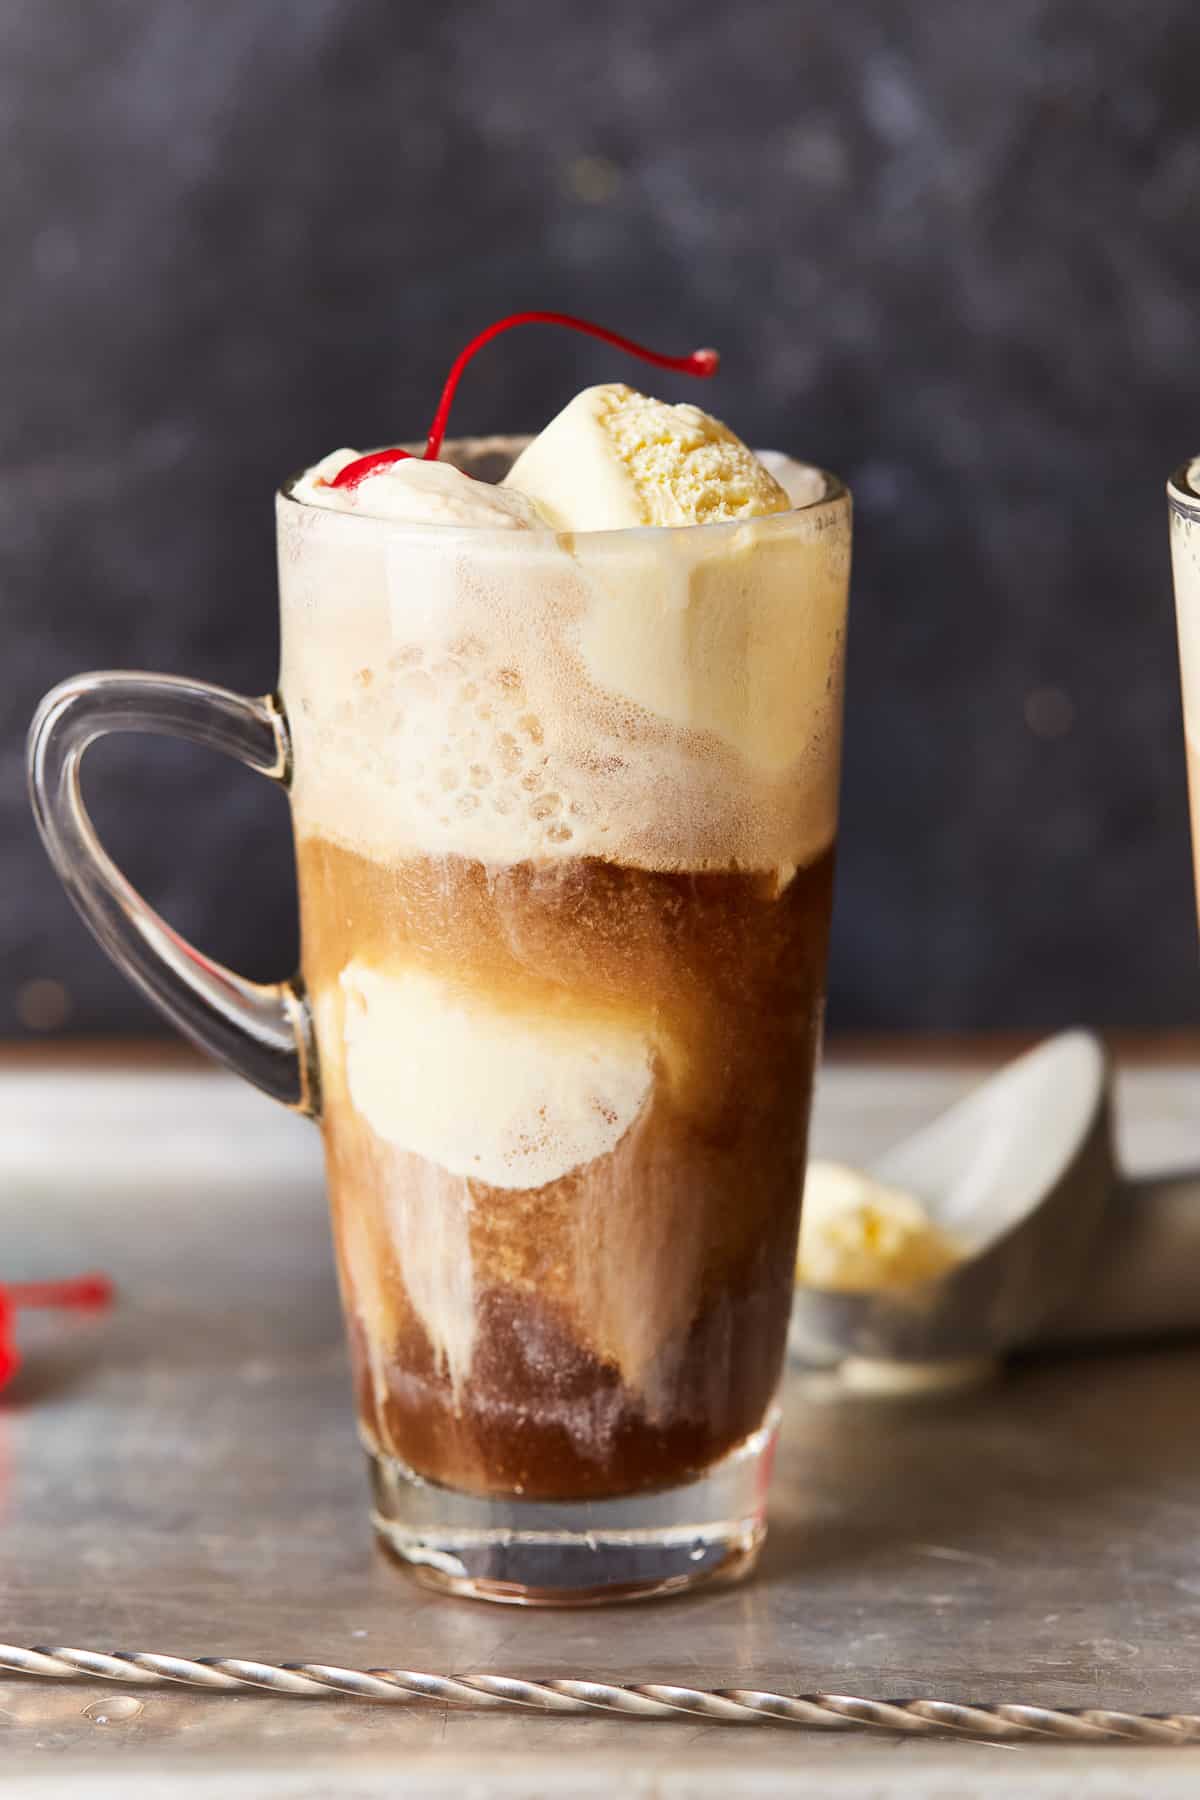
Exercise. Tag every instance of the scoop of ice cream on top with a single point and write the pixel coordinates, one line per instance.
(417, 492)
(614, 458)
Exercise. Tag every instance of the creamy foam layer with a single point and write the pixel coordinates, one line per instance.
(416, 492)
(669, 700)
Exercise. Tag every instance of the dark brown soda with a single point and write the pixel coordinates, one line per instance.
(695, 1212)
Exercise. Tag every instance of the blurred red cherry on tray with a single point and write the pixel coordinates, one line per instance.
(83, 1293)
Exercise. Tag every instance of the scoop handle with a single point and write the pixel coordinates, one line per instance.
(1143, 1280)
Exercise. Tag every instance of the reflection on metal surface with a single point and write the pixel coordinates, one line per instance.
(120, 1710)
(642, 1700)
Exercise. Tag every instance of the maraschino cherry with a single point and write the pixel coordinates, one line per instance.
(702, 363)
(87, 1293)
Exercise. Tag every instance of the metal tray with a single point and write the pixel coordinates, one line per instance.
(1035, 1542)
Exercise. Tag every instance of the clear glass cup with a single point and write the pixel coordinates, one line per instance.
(564, 811)
(1183, 501)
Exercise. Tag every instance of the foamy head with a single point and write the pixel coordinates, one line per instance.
(665, 699)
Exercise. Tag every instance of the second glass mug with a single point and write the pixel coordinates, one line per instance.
(1183, 504)
(564, 812)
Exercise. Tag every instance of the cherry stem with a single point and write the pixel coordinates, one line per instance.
(701, 363)
(84, 1292)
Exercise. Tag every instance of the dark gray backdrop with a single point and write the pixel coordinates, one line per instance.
(949, 249)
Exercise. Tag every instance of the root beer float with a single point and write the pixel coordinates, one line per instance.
(566, 748)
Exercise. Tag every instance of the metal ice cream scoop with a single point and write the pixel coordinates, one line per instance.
(1057, 1247)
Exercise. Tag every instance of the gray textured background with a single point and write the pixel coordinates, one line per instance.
(949, 249)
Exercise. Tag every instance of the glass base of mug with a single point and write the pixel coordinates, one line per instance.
(578, 1552)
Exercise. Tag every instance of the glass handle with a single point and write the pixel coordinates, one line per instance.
(261, 1031)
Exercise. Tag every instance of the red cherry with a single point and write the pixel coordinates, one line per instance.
(701, 363)
(84, 1294)
(357, 471)
(10, 1356)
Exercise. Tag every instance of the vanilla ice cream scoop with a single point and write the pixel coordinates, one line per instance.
(614, 458)
(546, 1094)
(417, 492)
(858, 1236)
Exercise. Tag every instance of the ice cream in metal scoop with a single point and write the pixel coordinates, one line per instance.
(1038, 1237)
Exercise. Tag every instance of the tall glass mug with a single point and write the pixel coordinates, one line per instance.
(564, 811)
(1183, 500)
